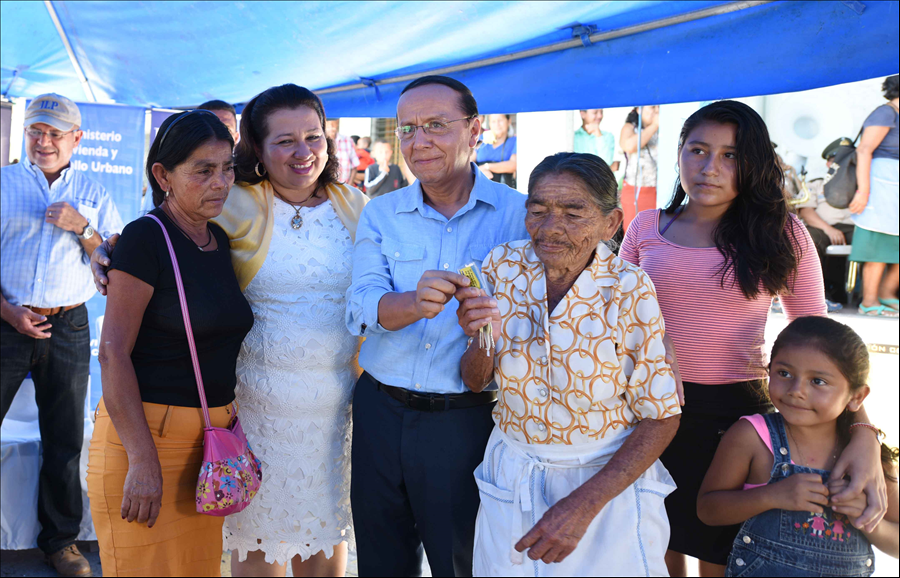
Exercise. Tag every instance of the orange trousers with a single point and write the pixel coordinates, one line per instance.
(646, 201)
(182, 542)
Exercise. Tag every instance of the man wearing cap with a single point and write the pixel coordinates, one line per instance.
(51, 220)
(828, 226)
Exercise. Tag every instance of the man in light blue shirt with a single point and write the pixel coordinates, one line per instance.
(419, 432)
(51, 220)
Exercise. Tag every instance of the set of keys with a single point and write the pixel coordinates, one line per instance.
(486, 333)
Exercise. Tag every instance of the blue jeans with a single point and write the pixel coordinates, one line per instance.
(60, 367)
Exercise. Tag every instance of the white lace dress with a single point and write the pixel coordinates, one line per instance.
(295, 377)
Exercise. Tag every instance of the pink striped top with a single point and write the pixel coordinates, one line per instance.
(719, 334)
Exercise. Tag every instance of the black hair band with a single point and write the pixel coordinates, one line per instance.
(174, 122)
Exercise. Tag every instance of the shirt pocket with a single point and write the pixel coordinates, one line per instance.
(89, 210)
(406, 262)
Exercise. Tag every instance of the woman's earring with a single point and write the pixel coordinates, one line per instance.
(167, 193)
(256, 170)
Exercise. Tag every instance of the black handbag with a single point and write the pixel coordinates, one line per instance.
(840, 180)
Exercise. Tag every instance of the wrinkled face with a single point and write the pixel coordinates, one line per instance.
(499, 125)
(332, 127)
(49, 154)
(294, 151)
(436, 159)
(564, 223)
(591, 116)
(707, 163)
(200, 185)
(383, 153)
(230, 121)
(808, 388)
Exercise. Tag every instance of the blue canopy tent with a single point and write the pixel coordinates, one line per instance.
(516, 56)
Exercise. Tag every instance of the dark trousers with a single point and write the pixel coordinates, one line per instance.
(834, 269)
(60, 367)
(413, 484)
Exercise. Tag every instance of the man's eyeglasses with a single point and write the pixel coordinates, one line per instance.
(53, 134)
(432, 128)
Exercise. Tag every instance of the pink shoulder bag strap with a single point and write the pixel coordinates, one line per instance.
(230, 474)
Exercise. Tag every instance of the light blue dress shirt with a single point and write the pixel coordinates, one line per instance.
(399, 237)
(43, 265)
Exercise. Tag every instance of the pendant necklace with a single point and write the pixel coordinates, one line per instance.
(296, 220)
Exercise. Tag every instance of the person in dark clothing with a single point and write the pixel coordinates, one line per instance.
(383, 177)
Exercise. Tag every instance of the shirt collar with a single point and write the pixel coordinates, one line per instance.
(483, 190)
(65, 175)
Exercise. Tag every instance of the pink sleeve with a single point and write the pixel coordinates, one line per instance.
(808, 295)
(758, 421)
(629, 249)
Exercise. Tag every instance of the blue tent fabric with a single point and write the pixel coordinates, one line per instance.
(178, 54)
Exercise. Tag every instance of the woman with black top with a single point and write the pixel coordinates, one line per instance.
(148, 439)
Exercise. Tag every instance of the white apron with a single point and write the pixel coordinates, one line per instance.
(519, 482)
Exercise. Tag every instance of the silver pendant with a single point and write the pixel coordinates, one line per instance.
(296, 222)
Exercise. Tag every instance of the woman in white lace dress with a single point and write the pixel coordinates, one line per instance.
(291, 226)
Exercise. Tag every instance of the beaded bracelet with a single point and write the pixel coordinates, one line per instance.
(878, 433)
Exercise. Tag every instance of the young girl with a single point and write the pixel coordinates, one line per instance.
(771, 471)
(716, 261)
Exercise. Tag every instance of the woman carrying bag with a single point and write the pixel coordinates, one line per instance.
(148, 443)
(875, 207)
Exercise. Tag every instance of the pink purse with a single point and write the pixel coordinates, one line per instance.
(230, 474)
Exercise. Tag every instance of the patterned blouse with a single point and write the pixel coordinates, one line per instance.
(594, 368)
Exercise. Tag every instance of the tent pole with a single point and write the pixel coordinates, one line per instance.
(559, 46)
(85, 85)
(637, 173)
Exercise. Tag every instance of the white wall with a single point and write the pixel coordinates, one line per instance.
(539, 135)
(356, 125)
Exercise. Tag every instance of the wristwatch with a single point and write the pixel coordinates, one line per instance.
(88, 232)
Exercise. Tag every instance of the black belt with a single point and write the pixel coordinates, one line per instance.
(436, 401)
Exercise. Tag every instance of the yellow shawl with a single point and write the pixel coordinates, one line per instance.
(247, 220)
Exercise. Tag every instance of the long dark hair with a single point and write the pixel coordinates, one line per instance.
(846, 350)
(178, 137)
(255, 128)
(753, 235)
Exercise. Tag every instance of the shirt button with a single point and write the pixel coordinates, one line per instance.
(543, 391)
(449, 229)
(747, 540)
(446, 265)
(418, 386)
(542, 427)
(397, 254)
(544, 360)
(427, 346)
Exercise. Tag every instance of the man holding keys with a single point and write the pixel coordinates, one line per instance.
(419, 432)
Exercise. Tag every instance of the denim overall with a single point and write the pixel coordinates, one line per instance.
(786, 543)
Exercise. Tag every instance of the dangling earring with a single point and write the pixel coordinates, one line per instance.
(256, 170)
(167, 193)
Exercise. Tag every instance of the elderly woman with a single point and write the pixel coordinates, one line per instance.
(291, 226)
(587, 401)
(148, 439)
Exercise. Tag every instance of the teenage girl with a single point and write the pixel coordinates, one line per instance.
(716, 261)
(772, 471)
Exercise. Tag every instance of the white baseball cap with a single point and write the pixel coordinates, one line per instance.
(55, 110)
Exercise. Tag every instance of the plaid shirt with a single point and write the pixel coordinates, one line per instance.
(43, 265)
(346, 154)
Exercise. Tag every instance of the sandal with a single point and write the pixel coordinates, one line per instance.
(878, 311)
(892, 303)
